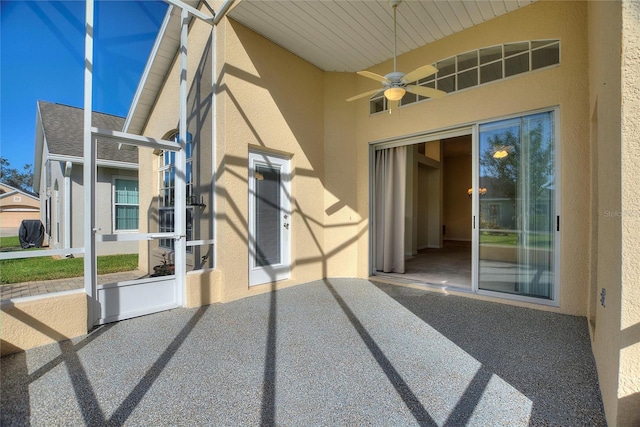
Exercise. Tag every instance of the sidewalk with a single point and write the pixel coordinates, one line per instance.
(28, 289)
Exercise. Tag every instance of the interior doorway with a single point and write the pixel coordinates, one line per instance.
(438, 214)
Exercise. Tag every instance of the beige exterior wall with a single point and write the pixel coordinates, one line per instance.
(42, 320)
(629, 381)
(271, 101)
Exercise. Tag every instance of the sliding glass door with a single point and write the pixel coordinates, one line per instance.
(517, 206)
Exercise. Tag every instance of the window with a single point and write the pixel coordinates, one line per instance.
(481, 66)
(125, 202)
(166, 198)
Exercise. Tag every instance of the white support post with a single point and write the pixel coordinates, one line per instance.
(214, 127)
(181, 164)
(89, 176)
(68, 169)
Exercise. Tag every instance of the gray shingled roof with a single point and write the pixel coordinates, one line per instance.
(63, 130)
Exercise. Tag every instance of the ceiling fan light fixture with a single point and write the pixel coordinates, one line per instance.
(394, 93)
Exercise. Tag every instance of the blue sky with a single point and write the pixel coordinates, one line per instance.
(42, 56)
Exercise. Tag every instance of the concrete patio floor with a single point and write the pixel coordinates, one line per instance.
(332, 352)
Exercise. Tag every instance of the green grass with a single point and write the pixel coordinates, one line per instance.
(511, 239)
(9, 242)
(48, 268)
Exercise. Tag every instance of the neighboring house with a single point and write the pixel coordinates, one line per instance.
(277, 181)
(15, 206)
(58, 178)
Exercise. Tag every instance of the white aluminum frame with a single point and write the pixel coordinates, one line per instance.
(95, 311)
(473, 129)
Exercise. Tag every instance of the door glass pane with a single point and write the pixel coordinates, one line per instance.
(517, 210)
(267, 188)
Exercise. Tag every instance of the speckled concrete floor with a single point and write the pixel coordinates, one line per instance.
(333, 352)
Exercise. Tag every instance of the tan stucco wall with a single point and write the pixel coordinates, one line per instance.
(629, 381)
(272, 101)
(614, 43)
(42, 320)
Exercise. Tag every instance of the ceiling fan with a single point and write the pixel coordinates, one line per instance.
(396, 83)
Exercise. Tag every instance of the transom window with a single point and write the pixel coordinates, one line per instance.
(481, 66)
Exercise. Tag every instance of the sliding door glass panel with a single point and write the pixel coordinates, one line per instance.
(517, 210)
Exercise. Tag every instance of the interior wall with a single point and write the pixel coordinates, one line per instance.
(457, 203)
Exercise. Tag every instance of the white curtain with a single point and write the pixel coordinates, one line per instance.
(390, 194)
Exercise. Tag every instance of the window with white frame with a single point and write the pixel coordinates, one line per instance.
(481, 66)
(167, 174)
(125, 204)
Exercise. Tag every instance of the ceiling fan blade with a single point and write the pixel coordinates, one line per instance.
(425, 91)
(420, 73)
(362, 95)
(374, 76)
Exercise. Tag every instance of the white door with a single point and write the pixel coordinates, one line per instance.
(269, 218)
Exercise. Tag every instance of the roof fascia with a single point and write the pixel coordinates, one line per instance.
(40, 143)
(99, 162)
(147, 68)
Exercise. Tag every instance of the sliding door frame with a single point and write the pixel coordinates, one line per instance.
(473, 130)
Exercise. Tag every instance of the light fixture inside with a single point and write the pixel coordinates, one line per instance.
(502, 151)
(395, 93)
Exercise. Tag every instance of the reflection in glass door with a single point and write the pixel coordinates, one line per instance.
(517, 233)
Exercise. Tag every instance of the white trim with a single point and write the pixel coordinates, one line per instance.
(89, 175)
(147, 68)
(134, 236)
(262, 275)
(68, 167)
(419, 137)
(4, 304)
(40, 253)
(201, 242)
(473, 130)
(99, 162)
(192, 10)
(133, 139)
(114, 178)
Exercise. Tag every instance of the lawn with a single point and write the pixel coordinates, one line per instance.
(9, 242)
(511, 239)
(48, 268)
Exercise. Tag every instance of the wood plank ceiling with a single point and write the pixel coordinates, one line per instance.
(352, 35)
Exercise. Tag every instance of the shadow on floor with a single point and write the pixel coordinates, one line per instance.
(527, 348)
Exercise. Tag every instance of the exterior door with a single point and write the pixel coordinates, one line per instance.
(519, 226)
(269, 218)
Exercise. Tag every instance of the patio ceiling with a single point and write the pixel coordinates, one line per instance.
(353, 35)
(333, 35)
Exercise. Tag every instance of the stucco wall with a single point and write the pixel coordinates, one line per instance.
(629, 381)
(42, 320)
(604, 74)
(272, 101)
